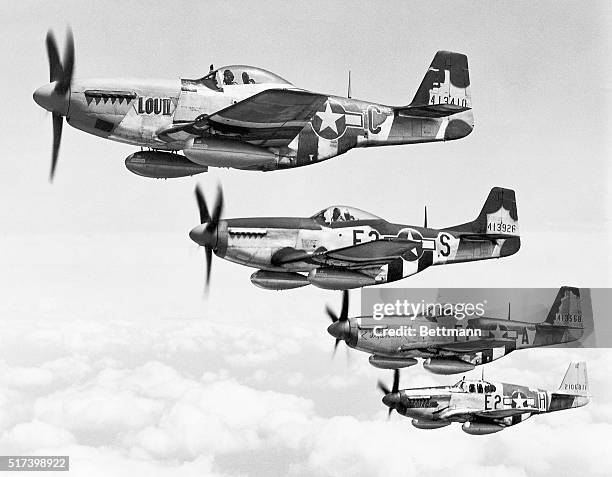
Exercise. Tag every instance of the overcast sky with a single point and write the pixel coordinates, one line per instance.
(109, 351)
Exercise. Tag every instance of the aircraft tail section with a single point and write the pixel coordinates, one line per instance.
(575, 381)
(493, 234)
(497, 219)
(445, 89)
(566, 309)
(574, 389)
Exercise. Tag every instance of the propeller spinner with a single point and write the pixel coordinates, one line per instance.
(54, 96)
(391, 397)
(340, 327)
(206, 234)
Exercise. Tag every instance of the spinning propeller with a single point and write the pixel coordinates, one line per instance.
(392, 397)
(340, 327)
(205, 234)
(54, 96)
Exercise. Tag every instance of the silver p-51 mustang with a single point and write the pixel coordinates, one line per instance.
(450, 345)
(484, 407)
(343, 247)
(245, 117)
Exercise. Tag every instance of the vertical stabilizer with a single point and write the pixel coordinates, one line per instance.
(575, 381)
(566, 309)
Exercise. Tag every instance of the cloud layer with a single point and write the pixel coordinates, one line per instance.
(190, 397)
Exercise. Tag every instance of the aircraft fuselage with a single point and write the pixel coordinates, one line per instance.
(257, 242)
(139, 112)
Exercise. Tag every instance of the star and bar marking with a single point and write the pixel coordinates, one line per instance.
(332, 122)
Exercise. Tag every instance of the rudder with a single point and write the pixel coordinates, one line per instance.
(566, 310)
(498, 217)
(575, 382)
(445, 89)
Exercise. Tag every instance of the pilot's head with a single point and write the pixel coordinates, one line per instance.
(228, 77)
(336, 214)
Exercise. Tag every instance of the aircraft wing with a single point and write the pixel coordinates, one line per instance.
(271, 118)
(501, 413)
(363, 255)
(492, 415)
(473, 346)
(458, 412)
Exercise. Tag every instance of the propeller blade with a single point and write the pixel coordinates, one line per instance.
(396, 377)
(204, 215)
(55, 66)
(345, 306)
(58, 122)
(208, 253)
(383, 388)
(216, 215)
(331, 314)
(67, 64)
(389, 413)
(336, 346)
(212, 224)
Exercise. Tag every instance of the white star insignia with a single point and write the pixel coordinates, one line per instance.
(328, 119)
(520, 401)
(496, 332)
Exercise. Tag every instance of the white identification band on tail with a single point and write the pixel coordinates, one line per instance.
(501, 222)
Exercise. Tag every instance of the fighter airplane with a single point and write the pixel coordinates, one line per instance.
(484, 407)
(245, 117)
(451, 345)
(343, 247)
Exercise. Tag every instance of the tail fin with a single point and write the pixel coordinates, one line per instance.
(575, 382)
(445, 89)
(497, 219)
(566, 309)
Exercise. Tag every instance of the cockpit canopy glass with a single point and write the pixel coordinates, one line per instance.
(475, 386)
(238, 75)
(341, 213)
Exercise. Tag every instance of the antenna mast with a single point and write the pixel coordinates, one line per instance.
(348, 94)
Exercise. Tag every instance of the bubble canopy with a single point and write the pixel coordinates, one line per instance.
(474, 386)
(234, 75)
(342, 213)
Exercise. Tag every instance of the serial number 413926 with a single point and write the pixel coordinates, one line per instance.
(501, 227)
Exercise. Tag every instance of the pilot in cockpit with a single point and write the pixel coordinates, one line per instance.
(246, 79)
(336, 215)
(228, 77)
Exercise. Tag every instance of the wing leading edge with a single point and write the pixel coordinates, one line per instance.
(368, 254)
(273, 117)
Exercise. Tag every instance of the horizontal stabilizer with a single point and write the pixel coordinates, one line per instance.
(433, 111)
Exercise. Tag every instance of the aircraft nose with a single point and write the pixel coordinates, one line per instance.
(340, 329)
(46, 97)
(391, 399)
(202, 235)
